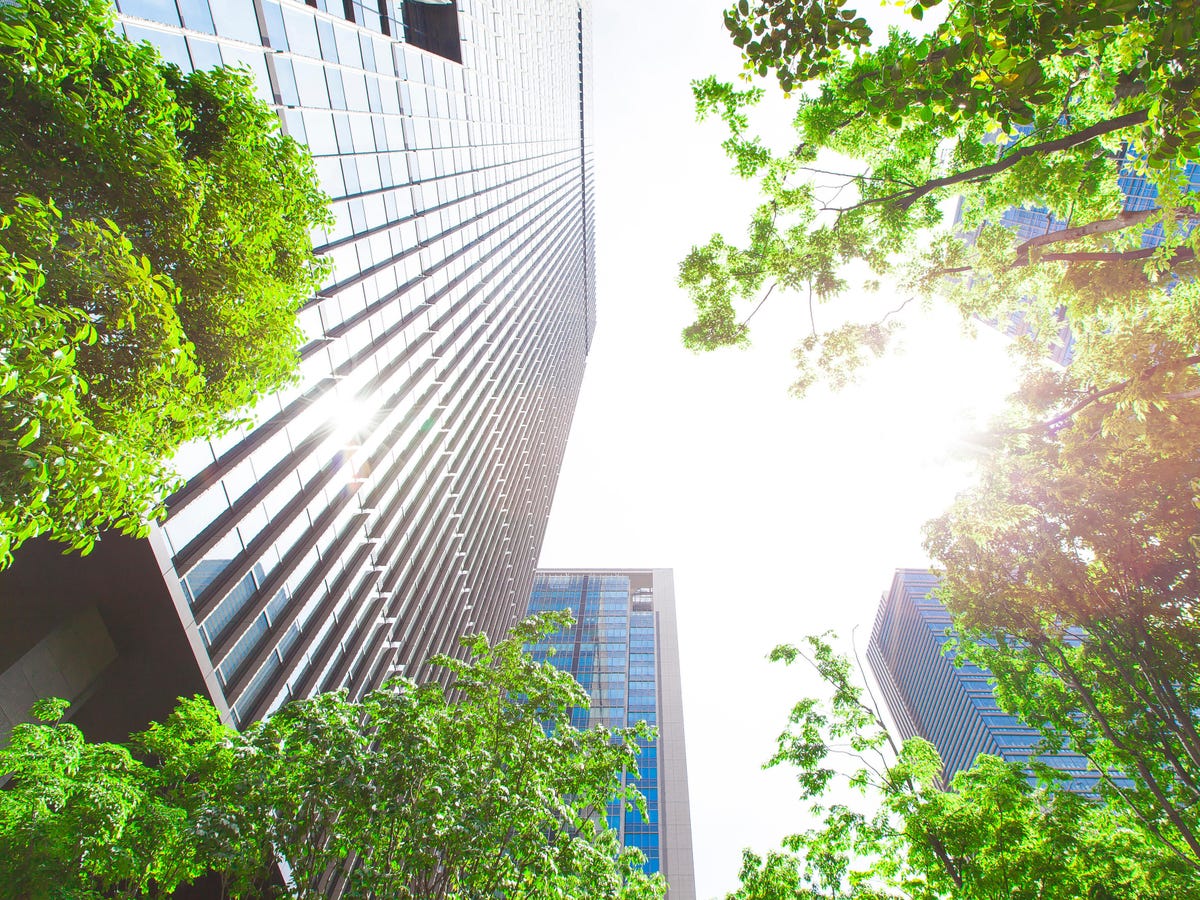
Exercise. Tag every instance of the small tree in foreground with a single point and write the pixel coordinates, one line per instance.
(992, 834)
(480, 790)
(154, 251)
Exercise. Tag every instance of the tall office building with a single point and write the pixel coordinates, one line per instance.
(624, 651)
(396, 495)
(928, 696)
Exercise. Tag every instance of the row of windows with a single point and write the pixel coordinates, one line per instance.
(292, 28)
(276, 448)
(641, 840)
(955, 707)
(319, 504)
(545, 583)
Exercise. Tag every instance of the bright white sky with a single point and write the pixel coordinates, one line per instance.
(780, 517)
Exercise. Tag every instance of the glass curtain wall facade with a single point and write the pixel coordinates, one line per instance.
(952, 706)
(396, 495)
(623, 650)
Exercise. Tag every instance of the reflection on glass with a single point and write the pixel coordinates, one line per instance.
(163, 11)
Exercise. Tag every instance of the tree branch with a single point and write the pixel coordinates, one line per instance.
(1183, 254)
(1064, 417)
(862, 177)
(1067, 672)
(907, 198)
(746, 321)
(1101, 226)
(893, 312)
(812, 318)
(870, 693)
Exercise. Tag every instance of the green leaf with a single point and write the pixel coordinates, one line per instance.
(49, 709)
(31, 433)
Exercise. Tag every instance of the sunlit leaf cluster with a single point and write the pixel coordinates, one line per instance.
(154, 249)
(997, 830)
(1006, 103)
(1073, 573)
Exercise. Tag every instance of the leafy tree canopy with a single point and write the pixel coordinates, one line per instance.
(1073, 573)
(154, 249)
(1070, 569)
(992, 833)
(1006, 103)
(480, 790)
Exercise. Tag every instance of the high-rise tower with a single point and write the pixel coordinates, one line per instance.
(396, 495)
(951, 705)
(624, 651)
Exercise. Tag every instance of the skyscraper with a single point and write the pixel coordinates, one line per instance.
(396, 495)
(624, 651)
(928, 695)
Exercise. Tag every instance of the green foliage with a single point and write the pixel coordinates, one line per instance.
(993, 835)
(990, 834)
(1071, 568)
(836, 356)
(154, 249)
(84, 820)
(479, 790)
(796, 39)
(777, 877)
(1005, 60)
(852, 847)
(63, 469)
(486, 790)
(1072, 573)
(1006, 103)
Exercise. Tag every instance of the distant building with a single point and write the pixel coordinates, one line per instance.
(395, 496)
(929, 696)
(1028, 223)
(624, 651)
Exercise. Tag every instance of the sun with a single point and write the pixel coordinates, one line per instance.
(351, 419)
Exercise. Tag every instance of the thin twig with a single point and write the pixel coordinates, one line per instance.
(863, 177)
(812, 317)
(870, 693)
(746, 321)
(897, 309)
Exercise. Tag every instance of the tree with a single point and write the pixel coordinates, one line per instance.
(775, 877)
(992, 834)
(1071, 570)
(999, 58)
(154, 249)
(480, 790)
(484, 790)
(78, 820)
(1007, 103)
